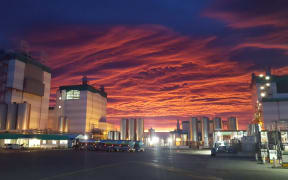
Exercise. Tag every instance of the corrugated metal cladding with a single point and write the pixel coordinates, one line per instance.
(34, 87)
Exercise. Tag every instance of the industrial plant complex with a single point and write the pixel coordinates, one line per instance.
(80, 112)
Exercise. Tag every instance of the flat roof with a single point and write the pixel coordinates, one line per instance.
(32, 136)
(84, 87)
(24, 57)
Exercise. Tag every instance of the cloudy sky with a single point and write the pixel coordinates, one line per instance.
(159, 59)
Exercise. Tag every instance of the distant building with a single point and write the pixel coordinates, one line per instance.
(270, 100)
(81, 109)
(132, 129)
(24, 92)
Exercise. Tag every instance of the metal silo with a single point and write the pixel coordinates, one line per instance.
(193, 132)
(11, 117)
(205, 131)
(232, 123)
(23, 116)
(218, 123)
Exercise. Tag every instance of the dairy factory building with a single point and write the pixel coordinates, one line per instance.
(270, 101)
(80, 109)
(24, 92)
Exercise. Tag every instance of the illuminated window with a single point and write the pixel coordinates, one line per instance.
(73, 94)
(63, 142)
(54, 142)
(7, 141)
(44, 142)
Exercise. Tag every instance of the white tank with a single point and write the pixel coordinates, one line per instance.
(232, 123)
(23, 116)
(11, 117)
(205, 131)
(193, 132)
(218, 123)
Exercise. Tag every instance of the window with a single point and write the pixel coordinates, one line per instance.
(63, 142)
(54, 142)
(43, 141)
(73, 94)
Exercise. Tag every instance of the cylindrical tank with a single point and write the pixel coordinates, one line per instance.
(218, 123)
(3, 116)
(23, 116)
(140, 129)
(193, 129)
(232, 123)
(132, 129)
(61, 124)
(11, 117)
(123, 129)
(205, 131)
(66, 124)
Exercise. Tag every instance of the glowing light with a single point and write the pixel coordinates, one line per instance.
(268, 84)
(170, 140)
(262, 87)
(85, 137)
(267, 77)
(261, 75)
(60, 107)
(263, 94)
(60, 98)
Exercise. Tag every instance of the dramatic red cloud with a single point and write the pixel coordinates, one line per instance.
(149, 71)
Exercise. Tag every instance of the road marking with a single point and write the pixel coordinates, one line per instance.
(80, 171)
(180, 171)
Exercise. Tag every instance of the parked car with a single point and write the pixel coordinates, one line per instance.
(13, 146)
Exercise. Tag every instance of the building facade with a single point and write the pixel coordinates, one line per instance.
(24, 92)
(132, 129)
(270, 100)
(81, 109)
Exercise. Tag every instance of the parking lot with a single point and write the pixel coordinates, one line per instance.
(130, 165)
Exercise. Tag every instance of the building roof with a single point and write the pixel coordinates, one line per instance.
(84, 87)
(32, 136)
(24, 57)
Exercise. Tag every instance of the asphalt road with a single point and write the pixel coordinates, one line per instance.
(55, 165)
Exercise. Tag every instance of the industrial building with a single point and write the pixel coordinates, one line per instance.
(202, 130)
(81, 109)
(270, 101)
(24, 93)
(132, 129)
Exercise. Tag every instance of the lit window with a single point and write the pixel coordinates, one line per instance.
(267, 77)
(44, 142)
(73, 94)
(7, 141)
(63, 142)
(261, 75)
(262, 87)
(54, 142)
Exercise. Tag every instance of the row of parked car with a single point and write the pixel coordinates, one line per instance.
(109, 147)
